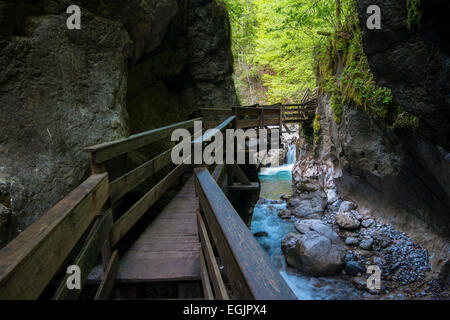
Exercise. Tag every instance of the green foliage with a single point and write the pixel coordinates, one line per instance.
(316, 127)
(279, 39)
(414, 13)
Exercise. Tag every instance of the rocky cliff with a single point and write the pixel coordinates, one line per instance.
(134, 65)
(396, 173)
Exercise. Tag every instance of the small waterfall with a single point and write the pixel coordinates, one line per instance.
(291, 156)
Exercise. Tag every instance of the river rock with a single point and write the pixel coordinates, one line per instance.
(352, 242)
(347, 206)
(307, 186)
(332, 196)
(367, 223)
(288, 245)
(348, 220)
(353, 268)
(284, 214)
(303, 226)
(261, 234)
(366, 244)
(309, 206)
(319, 252)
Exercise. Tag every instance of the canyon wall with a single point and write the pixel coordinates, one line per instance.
(135, 65)
(399, 175)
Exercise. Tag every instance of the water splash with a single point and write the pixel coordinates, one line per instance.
(285, 169)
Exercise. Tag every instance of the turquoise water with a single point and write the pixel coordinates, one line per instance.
(274, 183)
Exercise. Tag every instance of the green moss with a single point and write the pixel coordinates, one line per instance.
(316, 128)
(355, 85)
(414, 13)
(406, 121)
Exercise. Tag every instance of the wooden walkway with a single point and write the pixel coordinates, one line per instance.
(168, 250)
(183, 244)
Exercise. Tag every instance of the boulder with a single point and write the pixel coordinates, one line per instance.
(348, 220)
(303, 226)
(319, 252)
(288, 245)
(309, 206)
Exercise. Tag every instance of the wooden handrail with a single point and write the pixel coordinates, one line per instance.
(248, 267)
(109, 150)
(29, 262)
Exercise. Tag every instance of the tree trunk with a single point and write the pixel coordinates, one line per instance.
(338, 14)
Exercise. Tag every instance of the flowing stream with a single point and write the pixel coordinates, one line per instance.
(275, 182)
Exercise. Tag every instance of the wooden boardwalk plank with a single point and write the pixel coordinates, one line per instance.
(168, 250)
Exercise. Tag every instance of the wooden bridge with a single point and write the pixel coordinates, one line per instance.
(198, 238)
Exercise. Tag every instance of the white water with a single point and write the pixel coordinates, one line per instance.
(275, 182)
(291, 158)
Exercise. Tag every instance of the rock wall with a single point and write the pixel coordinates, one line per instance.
(414, 63)
(134, 65)
(397, 176)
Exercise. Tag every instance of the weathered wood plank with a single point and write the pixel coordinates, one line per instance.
(132, 179)
(213, 268)
(109, 276)
(206, 284)
(29, 262)
(107, 151)
(127, 221)
(88, 255)
(250, 271)
(243, 187)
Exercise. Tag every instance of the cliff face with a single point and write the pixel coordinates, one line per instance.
(399, 175)
(133, 66)
(414, 64)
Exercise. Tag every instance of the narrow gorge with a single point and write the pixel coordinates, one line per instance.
(364, 179)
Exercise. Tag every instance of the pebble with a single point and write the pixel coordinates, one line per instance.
(368, 223)
(366, 244)
(352, 242)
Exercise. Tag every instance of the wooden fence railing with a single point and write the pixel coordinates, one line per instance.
(80, 228)
(248, 268)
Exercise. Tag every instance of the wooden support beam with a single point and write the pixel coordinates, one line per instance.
(244, 187)
(238, 173)
(214, 272)
(206, 284)
(86, 259)
(109, 276)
